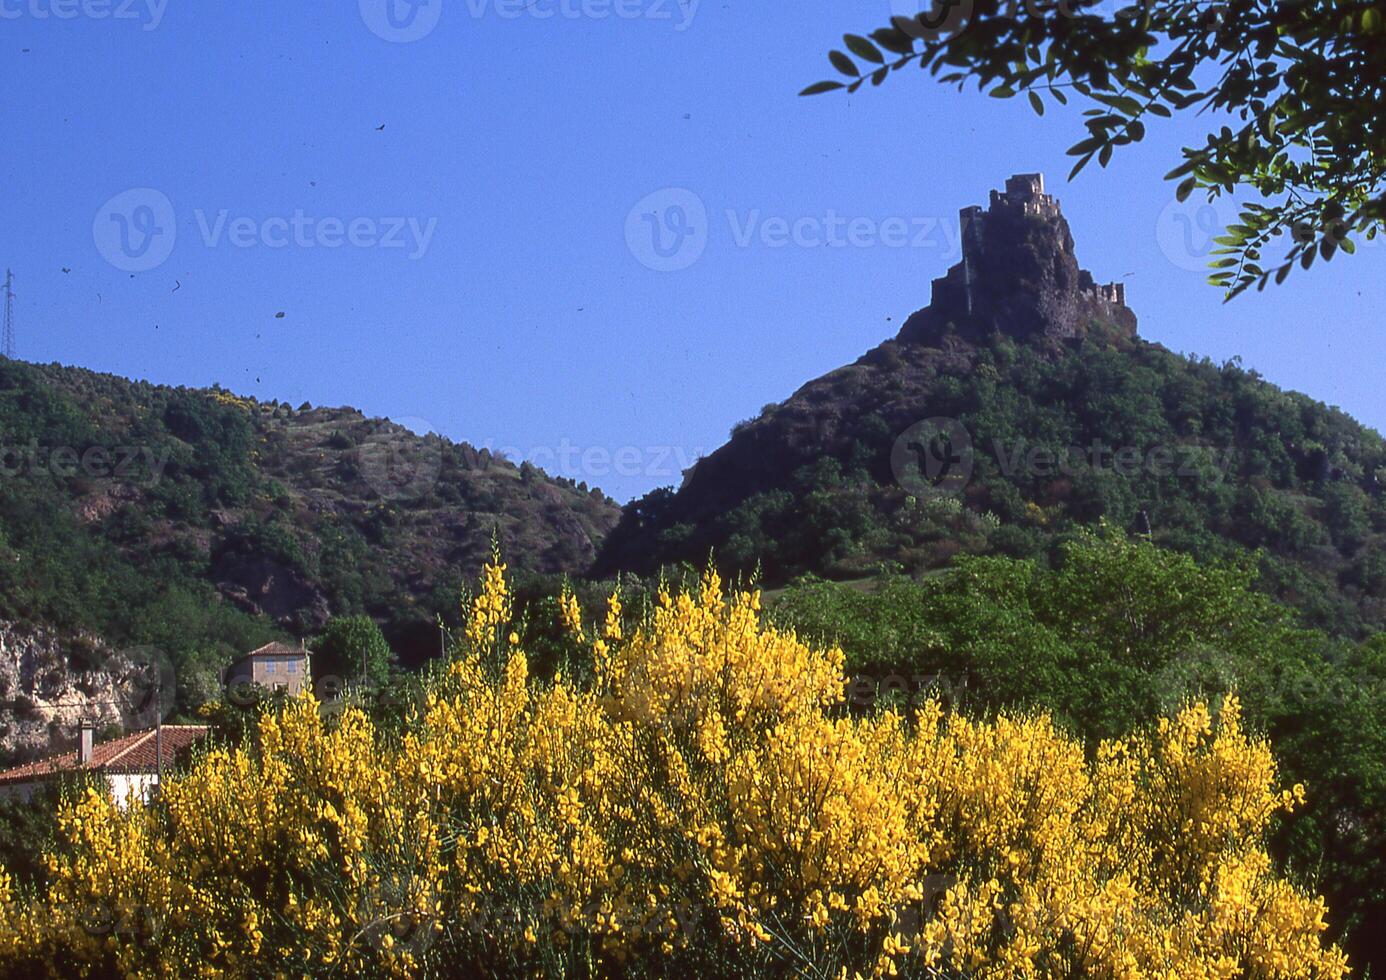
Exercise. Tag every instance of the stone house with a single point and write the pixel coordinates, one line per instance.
(274, 666)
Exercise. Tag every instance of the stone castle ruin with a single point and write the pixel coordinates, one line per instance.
(1018, 274)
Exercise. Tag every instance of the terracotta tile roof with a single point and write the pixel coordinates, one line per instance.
(130, 754)
(276, 649)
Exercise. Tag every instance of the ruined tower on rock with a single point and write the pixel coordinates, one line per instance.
(1019, 276)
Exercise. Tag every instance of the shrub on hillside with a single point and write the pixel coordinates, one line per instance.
(703, 806)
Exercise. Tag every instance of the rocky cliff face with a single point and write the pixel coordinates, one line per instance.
(48, 686)
(1019, 276)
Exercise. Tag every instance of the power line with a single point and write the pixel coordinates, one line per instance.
(9, 314)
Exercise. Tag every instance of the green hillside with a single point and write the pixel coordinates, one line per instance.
(204, 523)
(1044, 413)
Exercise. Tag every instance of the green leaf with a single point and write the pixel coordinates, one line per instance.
(1183, 168)
(1182, 193)
(1086, 146)
(1121, 103)
(1002, 92)
(1037, 103)
(843, 63)
(818, 88)
(863, 48)
(893, 40)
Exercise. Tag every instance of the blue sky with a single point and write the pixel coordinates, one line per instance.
(483, 265)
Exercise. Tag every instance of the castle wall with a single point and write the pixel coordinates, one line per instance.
(1001, 284)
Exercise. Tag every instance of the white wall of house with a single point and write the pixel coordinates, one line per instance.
(141, 785)
(121, 785)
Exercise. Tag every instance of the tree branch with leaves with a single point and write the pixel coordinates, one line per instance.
(1300, 86)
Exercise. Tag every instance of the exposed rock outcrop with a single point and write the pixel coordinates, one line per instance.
(263, 586)
(49, 685)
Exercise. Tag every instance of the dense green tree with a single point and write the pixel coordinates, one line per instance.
(28, 827)
(353, 649)
(1121, 629)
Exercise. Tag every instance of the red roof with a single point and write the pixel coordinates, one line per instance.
(131, 754)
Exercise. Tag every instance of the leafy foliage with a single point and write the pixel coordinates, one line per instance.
(701, 807)
(1299, 83)
(1220, 462)
(353, 648)
(204, 524)
(1120, 630)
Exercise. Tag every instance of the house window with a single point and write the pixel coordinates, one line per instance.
(293, 666)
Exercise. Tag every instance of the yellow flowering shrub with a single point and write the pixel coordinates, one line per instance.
(705, 805)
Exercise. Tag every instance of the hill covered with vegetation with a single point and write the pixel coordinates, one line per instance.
(203, 523)
(1019, 407)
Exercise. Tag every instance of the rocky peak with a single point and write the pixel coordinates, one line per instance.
(1019, 276)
